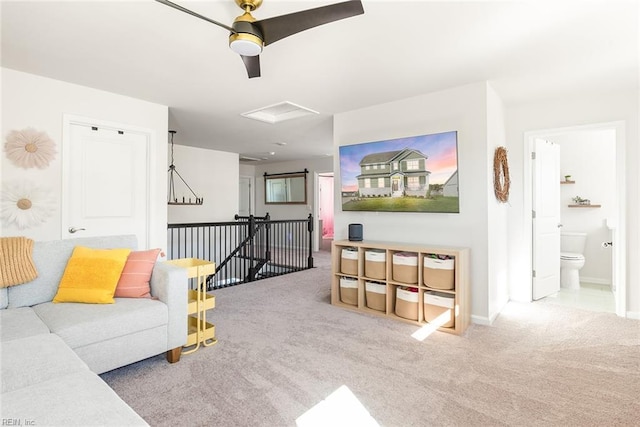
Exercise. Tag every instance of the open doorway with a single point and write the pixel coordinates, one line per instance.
(246, 199)
(591, 205)
(325, 210)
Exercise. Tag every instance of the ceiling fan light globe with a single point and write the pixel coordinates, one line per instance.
(245, 44)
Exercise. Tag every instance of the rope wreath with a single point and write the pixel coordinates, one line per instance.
(501, 181)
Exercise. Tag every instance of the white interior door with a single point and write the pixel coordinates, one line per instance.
(105, 182)
(546, 219)
(245, 206)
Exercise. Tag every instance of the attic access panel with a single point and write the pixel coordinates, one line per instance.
(279, 112)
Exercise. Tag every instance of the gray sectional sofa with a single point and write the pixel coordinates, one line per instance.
(51, 354)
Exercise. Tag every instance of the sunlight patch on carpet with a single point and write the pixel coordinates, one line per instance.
(340, 408)
(422, 333)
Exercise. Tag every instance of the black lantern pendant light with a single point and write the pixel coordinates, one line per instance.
(173, 199)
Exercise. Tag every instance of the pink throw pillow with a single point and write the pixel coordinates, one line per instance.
(134, 280)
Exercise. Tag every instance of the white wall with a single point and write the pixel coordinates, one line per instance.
(497, 239)
(590, 158)
(214, 176)
(247, 170)
(302, 211)
(560, 113)
(466, 110)
(33, 101)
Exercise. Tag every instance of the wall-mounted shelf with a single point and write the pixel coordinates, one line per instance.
(585, 206)
(567, 182)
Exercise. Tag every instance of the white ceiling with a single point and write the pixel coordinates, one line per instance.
(143, 49)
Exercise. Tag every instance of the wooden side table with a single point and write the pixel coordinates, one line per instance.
(199, 301)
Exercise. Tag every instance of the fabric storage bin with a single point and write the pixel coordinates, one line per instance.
(376, 295)
(349, 290)
(438, 273)
(407, 303)
(439, 308)
(405, 267)
(375, 264)
(349, 261)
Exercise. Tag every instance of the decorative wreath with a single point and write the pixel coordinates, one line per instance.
(25, 205)
(501, 181)
(28, 148)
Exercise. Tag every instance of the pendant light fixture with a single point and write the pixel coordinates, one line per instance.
(173, 199)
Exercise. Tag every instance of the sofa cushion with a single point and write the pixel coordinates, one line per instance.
(83, 324)
(134, 280)
(91, 275)
(35, 359)
(16, 323)
(78, 399)
(51, 259)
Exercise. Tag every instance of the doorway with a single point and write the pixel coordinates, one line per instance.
(325, 210)
(592, 193)
(246, 199)
(105, 178)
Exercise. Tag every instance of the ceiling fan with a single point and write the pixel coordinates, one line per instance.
(249, 36)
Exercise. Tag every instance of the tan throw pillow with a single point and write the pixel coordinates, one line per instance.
(91, 275)
(16, 262)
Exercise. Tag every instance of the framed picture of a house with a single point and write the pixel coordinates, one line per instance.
(412, 174)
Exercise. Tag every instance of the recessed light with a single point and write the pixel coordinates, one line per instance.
(282, 144)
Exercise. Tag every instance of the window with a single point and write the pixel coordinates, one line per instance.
(413, 182)
(367, 167)
(395, 166)
(413, 165)
(380, 182)
(367, 183)
(375, 166)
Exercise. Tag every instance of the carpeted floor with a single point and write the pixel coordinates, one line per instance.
(283, 349)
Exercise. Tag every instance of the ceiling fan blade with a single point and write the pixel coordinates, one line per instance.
(197, 15)
(252, 63)
(279, 27)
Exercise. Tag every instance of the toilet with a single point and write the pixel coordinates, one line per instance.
(571, 259)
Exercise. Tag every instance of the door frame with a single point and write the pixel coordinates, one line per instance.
(252, 192)
(69, 120)
(316, 207)
(619, 259)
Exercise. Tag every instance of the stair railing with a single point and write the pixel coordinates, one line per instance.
(249, 249)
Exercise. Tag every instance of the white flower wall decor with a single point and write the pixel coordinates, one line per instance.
(28, 148)
(25, 205)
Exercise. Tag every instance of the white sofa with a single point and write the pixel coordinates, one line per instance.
(52, 354)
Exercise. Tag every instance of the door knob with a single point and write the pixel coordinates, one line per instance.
(559, 225)
(73, 229)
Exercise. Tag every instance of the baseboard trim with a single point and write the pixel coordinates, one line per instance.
(633, 315)
(481, 320)
(596, 281)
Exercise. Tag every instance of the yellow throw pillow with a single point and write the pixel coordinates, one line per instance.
(91, 275)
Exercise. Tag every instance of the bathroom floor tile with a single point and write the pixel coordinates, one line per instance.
(592, 297)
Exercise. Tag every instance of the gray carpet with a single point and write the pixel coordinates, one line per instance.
(283, 349)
